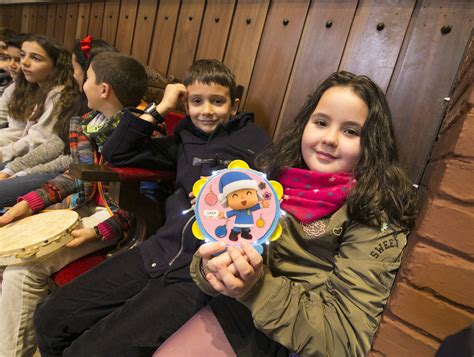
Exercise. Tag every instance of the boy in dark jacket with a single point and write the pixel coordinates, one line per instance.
(131, 303)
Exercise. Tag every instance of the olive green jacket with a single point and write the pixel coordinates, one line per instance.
(324, 287)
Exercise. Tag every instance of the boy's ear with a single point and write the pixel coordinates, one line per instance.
(105, 91)
(235, 106)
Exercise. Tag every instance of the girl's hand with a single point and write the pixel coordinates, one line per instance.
(4, 176)
(249, 267)
(17, 212)
(192, 199)
(81, 236)
(211, 261)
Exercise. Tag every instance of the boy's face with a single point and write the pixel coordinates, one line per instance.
(14, 59)
(92, 90)
(242, 199)
(209, 105)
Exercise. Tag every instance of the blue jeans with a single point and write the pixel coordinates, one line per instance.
(12, 188)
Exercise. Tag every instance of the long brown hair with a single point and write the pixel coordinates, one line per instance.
(28, 99)
(383, 188)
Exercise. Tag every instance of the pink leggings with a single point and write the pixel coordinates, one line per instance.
(202, 335)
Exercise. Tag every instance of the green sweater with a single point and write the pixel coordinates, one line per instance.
(323, 293)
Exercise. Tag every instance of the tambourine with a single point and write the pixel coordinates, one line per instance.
(36, 236)
(237, 204)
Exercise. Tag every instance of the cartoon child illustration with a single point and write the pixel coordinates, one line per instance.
(240, 192)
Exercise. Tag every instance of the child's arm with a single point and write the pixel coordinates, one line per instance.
(38, 133)
(42, 154)
(339, 318)
(131, 144)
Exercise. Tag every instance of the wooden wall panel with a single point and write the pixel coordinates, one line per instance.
(274, 61)
(33, 18)
(126, 25)
(41, 19)
(163, 35)
(319, 53)
(187, 33)
(96, 19)
(51, 23)
(111, 16)
(83, 15)
(145, 23)
(215, 29)
(12, 17)
(245, 35)
(60, 23)
(423, 77)
(26, 18)
(371, 50)
(70, 27)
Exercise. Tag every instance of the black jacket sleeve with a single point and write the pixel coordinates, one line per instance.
(131, 145)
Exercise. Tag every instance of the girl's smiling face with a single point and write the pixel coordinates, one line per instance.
(35, 63)
(331, 138)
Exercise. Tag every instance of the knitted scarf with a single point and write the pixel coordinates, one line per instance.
(311, 195)
(98, 128)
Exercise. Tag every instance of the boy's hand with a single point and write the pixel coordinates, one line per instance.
(249, 268)
(265, 204)
(4, 176)
(17, 212)
(81, 236)
(173, 93)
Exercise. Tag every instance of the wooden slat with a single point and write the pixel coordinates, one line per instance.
(33, 18)
(126, 25)
(215, 29)
(41, 19)
(70, 27)
(373, 52)
(17, 18)
(319, 53)
(163, 35)
(96, 19)
(111, 16)
(25, 18)
(83, 15)
(245, 35)
(423, 76)
(50, 24)
(274, 61)
(144, 25)
(187, 32)
(60, 23)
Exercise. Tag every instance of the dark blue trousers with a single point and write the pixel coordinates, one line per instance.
(115, 309)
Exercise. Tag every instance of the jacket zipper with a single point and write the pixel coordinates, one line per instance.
(182, 241)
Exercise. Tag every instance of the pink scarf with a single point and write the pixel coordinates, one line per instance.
(310, 195)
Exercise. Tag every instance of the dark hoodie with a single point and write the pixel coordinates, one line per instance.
(193, 154)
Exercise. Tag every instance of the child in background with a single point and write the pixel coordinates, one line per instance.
(322, 287)
(51, 158)
(13, 67)
(113, 81)
(5, 78)
(140, 288)
(45, 97)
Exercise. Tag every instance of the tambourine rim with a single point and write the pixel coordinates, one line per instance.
(42, 243)
(262, 240)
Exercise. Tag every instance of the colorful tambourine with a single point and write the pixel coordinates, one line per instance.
(237, 204)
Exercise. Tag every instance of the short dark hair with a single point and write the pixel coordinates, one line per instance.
(210, 71)
(6, 34)
(124, 74)
(17, 40)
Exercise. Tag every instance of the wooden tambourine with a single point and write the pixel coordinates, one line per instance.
(237, 204)
(36, 236)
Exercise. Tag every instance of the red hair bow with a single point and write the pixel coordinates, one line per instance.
(86, 45)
